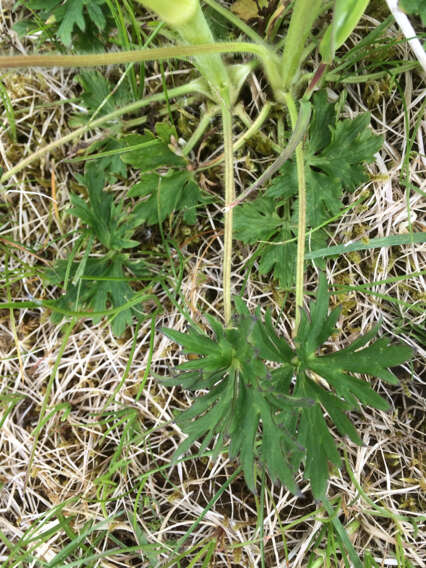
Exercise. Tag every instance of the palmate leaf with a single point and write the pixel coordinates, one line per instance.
(345, 390)
(279, 256)
(104, 286)
(111, 224)
(335, 153)
(174, 191)
(75, 17)
(100, 283)
(261, 221)
(279, 417)
(258, 221)
(279, 259)
(165, 193)
(100, 96)
(239, 386)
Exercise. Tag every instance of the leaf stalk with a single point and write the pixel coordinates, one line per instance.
(229, 198)
(304, 15)
(301, 224)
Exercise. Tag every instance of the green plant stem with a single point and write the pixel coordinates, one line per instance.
(176, 92)
(229, 198)
(268, 57)
(299, 130)
(205, 120)
(301, 223)
(187, 19)
(304, 15)
(128, 124)
(135, 56)
(253, 127)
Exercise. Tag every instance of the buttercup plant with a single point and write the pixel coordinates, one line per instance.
(252, 375)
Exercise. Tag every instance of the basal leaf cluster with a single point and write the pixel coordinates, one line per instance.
(336, 152)
(273, 400)
(100, 281)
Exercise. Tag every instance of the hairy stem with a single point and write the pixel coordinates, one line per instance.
(299, 130)
(178, 91)
(268, 57)
(187, 19)
(301, 222)
(229, 198)
(138, 55)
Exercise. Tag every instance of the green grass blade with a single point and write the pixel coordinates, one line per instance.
(10, 114)
(391, 241)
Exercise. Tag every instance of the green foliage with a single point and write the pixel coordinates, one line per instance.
(99, 96)
(346, 15)
(335, 154)
(272, 402)
(242, 392)
(289, 400)
(417, 7)
(100, 283)
(147, 152)
(78, 20)
(174, 191)
(104, 285)
(106, 221)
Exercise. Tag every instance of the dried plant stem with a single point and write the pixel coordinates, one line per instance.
(229, 198)
(301, 222)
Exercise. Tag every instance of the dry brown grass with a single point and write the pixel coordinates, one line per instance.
(72, 477)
